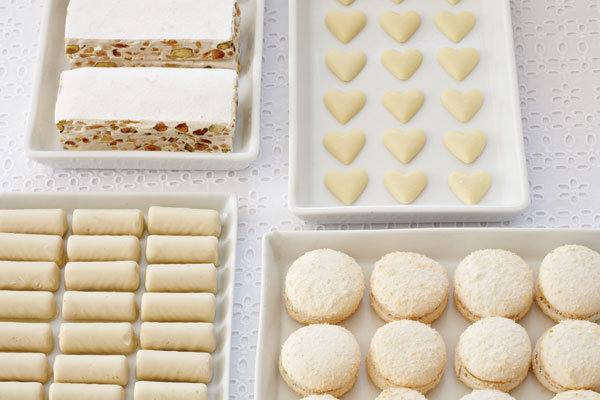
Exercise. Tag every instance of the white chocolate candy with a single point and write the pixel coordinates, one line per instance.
(99, 306)
(405, 186)
(183, 221)
(20, 305)
(178, 336)
(458, 63)
(24, 367)
(102, 276)
(465, 146)
(145, 390)
(22, 247)
(29, 275)
(403, 105)
(108, 222)
(345, 26)
(182, 249)
(400, 26)
(402, 64)
(78, 391)
(29, 337)
(344, 146)
(103, 248)
(404, 145)
(43, 222)
(110, 370)
(470, 188)
(173, 366)
(178, 307)
(462, 105)
(181, 278)
(346, 186)
(346, 66)
(344, 106)
(21, 391)
(97, 338)
(455, 26)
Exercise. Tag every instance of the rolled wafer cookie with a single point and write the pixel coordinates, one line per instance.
(29, 275)
(183, 221)
(182, 249)
(23, 336)
(23, 247)
(173, 366)
(24, 367)
(97, 338)
(102, 276)
(108, 222)
(36, 221)
(178, 336)
(146, 390)
(21, 305)
(178, 307)
(99, 306)
(109, 370)
(181, 278)
(21, 391)
(103, 248)
(78, 391)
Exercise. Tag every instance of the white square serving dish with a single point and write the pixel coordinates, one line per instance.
(41, 143)
(500, 117)
(225, 203)
(447, 246)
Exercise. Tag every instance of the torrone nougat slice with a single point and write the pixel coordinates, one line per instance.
(153, 33)
(154, 109)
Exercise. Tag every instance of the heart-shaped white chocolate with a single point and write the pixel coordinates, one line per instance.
(348, 2)
(455, 26)
(397, 1)
(400, 26)
(345, 65)
(458, 63)
(346, 186)
(402, 64)
(345, 26)
(405, 186)
(344, 106)
(344, 146)
(403, 105)
(462, 105)
(469, 188)
(465, 146)
(453, 2)
(404, 145)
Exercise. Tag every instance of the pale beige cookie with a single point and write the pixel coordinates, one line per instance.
(40, 221)
(466, 146)
(344, 106)
(320, 359)
(344, 146)
(319, 397)
(403, 105)
(347, 186)
(345, 26)
(462, 105)
(404, 145)
(406, 354)
(405, 186)
(24, 367)
(26, 337)
(173, 366)
(493, 283)
(78, 391)
(458, 63)
(577, 395)
(402, 64)
(346, 66)
(323, 286)
(409, 286)
(569, 284)
(487, 395)
(105, 370)
(400, 26)
(567, 356)
(400, 394)
(493, 353)
(22, 391)
(148, 390)
(469, 188)
(455, 26)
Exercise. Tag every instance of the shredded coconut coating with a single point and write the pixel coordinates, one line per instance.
(320, 397)
(577, 395)
(487, 395)
(400, 394)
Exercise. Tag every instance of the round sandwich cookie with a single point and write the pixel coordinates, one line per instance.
(409, 286)
(323, 287)
(577, 395)
(400, 394)
(493, 283)
(569, 284)
(487, 395)
(406, 354)
(567, 356)
(320, 359)
(493, 353)
(320, 397)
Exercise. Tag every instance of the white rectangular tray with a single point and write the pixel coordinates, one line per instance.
(499, 117)
(448, 246)
(41, 143)
(225, 203)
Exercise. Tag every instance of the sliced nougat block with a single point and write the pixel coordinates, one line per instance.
(195, 33)
(153, 109)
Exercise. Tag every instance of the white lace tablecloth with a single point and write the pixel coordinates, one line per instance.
(557, 44)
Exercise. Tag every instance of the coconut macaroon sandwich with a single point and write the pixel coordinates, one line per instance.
(567, 356)
(320, 397)
(577, 395)
(487, 395)
(493, 353)
(569, 284)
(400, 394)
(493, 283)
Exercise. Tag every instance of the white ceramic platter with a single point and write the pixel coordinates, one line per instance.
(226, 204)
(448, 246)
(42, 137)
(499, 117)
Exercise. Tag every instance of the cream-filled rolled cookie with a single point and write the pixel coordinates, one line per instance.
(24, 336)
(21, 391)
(181, 278)
(78, 391)
(19, 305)
(108, 222)
(99, 306)
(147, 390)
(178, 307)
(173, 366)
(97, 338)
(42, 222)
(109, 370)
(182, 249)
(29, 275)
(102, 276)
(103, 248)
(183, 221)
(178, 336)
(24, 367)
(23, 247)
